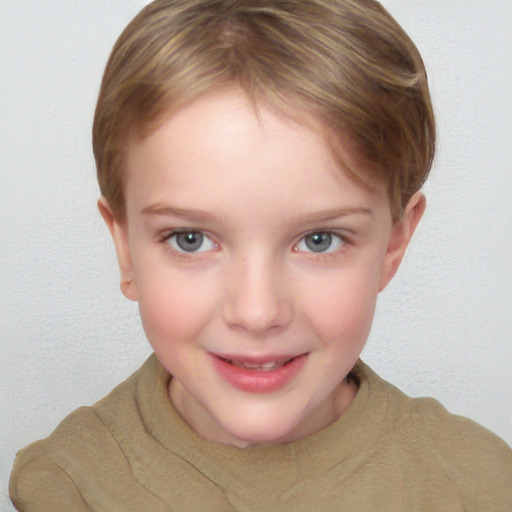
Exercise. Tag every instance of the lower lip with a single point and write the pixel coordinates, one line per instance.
(257, 381)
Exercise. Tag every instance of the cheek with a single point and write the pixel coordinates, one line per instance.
(174, 306)
(343, 308)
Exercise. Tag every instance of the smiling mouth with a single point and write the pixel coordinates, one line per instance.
(263, 374)
(260, 367)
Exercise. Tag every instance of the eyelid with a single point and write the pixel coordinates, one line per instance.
(341, 236)
(169, 234)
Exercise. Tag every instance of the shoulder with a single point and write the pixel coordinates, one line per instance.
(475, 460)
(38, 484)
(454, 438)
(446, 447)
(40, 479)
(426, 421)
(83, 448)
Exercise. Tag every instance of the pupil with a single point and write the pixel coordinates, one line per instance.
(189, 242)
(319, 242)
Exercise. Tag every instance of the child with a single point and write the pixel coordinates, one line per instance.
(260, 164)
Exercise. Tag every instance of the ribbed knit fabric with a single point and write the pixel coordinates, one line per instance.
(132, 452)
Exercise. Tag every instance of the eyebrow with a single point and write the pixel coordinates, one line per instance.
(182, 213)
(201, 215)
(336, 213)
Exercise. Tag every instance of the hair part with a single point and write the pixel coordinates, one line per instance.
(345, 62)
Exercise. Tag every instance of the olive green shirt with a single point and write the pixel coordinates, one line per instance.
(132, 452)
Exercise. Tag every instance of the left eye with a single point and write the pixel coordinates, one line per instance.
(190, 241)
(320, 241)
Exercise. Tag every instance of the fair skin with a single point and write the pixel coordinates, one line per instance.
(256, 262)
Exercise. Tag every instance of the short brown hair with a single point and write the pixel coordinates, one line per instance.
(346, 62)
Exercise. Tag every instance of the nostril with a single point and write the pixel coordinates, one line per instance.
(273, 315)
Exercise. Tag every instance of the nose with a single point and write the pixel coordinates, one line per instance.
(258, 298)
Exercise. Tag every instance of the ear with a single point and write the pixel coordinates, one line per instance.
(119, 232)
(401, 235)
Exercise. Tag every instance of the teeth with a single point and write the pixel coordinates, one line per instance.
(264, 367)
(269, 365)
(256, 366)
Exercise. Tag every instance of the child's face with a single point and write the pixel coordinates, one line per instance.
(256, 262)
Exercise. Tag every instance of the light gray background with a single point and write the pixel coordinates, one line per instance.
(443, 328)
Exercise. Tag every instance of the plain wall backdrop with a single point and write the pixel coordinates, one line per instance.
(443, 328)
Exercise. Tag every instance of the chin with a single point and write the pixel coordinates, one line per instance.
(262, 430)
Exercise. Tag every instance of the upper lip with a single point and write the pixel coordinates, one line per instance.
(258, 359)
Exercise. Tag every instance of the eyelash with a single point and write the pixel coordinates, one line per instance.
(343, 242)
(166, 237)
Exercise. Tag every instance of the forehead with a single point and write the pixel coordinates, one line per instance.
(222, 143)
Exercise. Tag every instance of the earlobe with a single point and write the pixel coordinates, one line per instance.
(119, 233)
(401, 235)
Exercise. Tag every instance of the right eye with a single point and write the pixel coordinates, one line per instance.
(190, 241)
